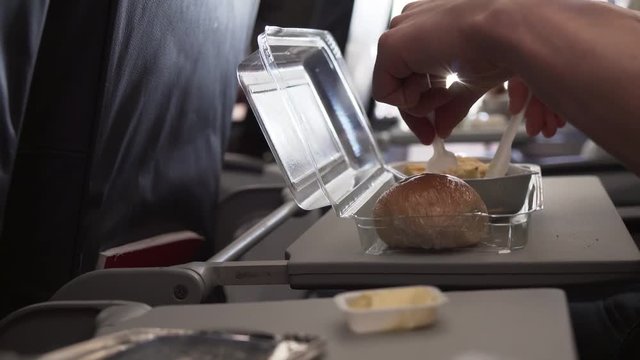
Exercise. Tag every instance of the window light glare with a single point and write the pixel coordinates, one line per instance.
(451, 78)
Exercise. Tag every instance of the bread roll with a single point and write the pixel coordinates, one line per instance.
(431, 211)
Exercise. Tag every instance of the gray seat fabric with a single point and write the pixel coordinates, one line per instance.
(123, 136)
(21, 24)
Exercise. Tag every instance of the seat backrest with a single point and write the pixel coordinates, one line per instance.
(124, 132)
(21, 27)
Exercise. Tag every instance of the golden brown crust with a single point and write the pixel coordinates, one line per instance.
(430, 211)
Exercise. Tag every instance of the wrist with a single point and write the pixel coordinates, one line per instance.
(521, 36)
(498, 32)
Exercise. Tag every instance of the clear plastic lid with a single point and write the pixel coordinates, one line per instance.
(298, 88)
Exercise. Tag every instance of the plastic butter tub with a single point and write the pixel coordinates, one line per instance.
(391, 309)
(298, 86)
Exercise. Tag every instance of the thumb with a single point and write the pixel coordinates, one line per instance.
(453, 111)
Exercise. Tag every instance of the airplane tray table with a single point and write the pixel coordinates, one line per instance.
(505, 324)
(578, 238)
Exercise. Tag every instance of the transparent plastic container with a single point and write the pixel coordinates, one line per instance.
(510, 201)
(298, 87)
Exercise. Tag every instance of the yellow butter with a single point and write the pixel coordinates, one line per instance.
(391, 298)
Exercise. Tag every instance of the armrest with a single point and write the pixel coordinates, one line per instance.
(81, 320)
(184, 284)
(153, 286)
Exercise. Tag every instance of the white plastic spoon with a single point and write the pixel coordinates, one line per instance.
(500, 163)
(442, 159)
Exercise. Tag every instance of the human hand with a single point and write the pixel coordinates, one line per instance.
(540, 118)
(432, 39)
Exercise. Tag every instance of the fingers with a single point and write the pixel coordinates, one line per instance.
(452, 105)
(449, 105)
(449, 114)
(540, 118)
(560, 121)
(550, 127)
(437, 81)
(518, 92)
(553, 122)
(535, 115)
(413, 88)
(421, 126)
(410, 6)
(398, 20)
(429, 101)
(389, 73)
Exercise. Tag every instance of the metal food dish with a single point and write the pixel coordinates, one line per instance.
(510, 194)
(159, 344)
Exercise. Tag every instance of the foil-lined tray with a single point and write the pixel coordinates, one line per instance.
(160, 344)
